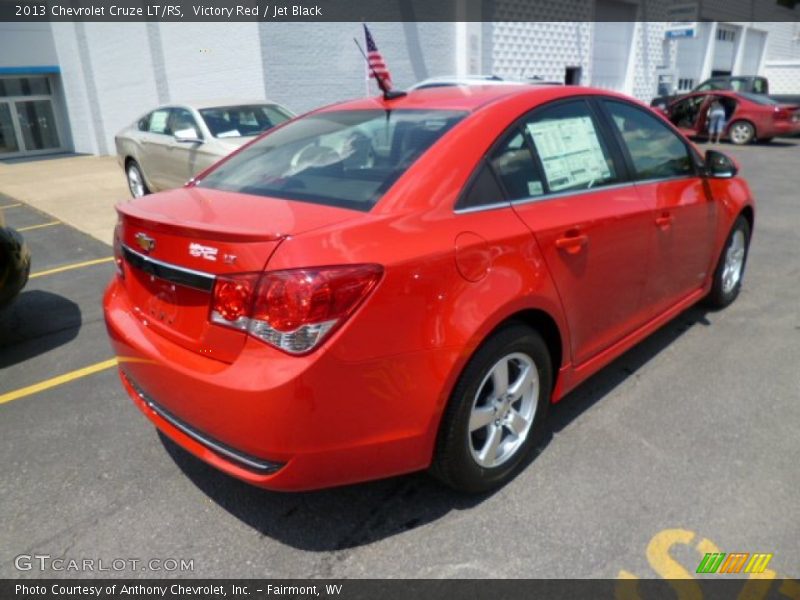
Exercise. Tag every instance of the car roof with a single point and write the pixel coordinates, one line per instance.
(199, 104)
(468, 98)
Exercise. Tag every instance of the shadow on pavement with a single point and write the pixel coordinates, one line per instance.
(355, 515)
(36, 322)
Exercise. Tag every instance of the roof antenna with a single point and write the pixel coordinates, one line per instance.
(388, 94)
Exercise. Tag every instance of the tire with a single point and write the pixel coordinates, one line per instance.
(135, 178)
(730, 267)
(15, 265)
(741, 133)
(466, 459)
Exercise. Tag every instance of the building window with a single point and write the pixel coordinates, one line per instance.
(685, 83)
(726, 35)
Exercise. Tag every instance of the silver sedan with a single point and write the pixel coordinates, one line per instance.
(171, 144)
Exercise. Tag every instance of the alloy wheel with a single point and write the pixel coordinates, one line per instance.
(135, 181)
(741, 133)
(734, 262)
(503, 410)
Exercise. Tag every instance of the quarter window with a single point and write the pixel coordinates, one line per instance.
(655, 150)
(483, 191)
(513, 163)
(572, 152)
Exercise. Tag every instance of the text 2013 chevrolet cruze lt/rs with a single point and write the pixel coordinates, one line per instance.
(384, 286)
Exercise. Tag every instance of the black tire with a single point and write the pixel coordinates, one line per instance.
(748, 133)
(15, 265)
(453, 461)
(132, 165)
(721, 295)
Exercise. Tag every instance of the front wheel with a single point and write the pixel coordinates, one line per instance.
(730, 268)
(496, 411)
(741, 132)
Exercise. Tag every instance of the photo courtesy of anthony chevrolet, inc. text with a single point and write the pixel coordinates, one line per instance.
(357, 299)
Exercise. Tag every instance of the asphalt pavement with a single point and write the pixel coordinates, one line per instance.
(685, 445)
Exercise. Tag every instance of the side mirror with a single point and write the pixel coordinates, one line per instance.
(719, 166)
(187, 136)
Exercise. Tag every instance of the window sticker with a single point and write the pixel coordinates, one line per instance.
(158, 122)
(570, 151)
(535, 188)
(231, 133)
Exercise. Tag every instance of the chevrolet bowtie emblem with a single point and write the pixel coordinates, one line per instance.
(145, 242)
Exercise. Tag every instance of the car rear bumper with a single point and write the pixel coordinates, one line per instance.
(277, 421)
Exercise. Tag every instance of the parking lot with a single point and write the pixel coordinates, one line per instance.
(687, 444)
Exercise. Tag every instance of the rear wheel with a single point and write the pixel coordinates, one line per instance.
(136, 182)
(496, 411)
(730, 268)
(741, 132)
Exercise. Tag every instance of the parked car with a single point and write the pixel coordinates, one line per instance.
(171, 144)
(469, 80)
(749, 117)
(383, 286)
(750, 84)
(15, 263)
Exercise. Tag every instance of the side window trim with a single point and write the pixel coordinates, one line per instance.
(623, 149)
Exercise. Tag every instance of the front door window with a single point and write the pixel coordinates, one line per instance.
(8, 136)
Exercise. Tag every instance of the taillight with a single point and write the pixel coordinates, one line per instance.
(118, 258)
(296, 309)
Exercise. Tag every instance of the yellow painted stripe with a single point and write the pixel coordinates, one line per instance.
(11, 205)
(87, 263)
(32, 227)
(54, 381)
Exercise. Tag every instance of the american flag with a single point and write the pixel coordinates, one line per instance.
(376, 63)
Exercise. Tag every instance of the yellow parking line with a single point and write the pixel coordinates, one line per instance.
(53, 382)
(87, 263)
(11, 205)
(31, 227)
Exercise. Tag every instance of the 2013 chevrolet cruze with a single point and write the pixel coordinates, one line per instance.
(388, 285)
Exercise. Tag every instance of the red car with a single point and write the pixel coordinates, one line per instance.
(748, 116)
(383, 286)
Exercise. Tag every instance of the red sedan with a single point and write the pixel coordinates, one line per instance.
(748, 116)
(383, 286)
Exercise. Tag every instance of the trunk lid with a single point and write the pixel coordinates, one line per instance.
(175, 243)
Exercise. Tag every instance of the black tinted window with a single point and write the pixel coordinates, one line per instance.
(344, 158)
(182, 120)
(656, 151)
(570, 147)
(513, 163)
(483, 190)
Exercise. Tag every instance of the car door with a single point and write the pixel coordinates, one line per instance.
(154, 143)
(683, 216)
(182, 159)
(590, 223)
(685, 114)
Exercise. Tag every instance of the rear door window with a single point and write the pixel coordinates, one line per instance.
(571, 149)
(159, 121)
(339, 158)
(655, 150)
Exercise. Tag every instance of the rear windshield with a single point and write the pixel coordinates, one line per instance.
(241, 121)
(345, 158)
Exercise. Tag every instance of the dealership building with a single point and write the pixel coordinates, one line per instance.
(72, 86)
